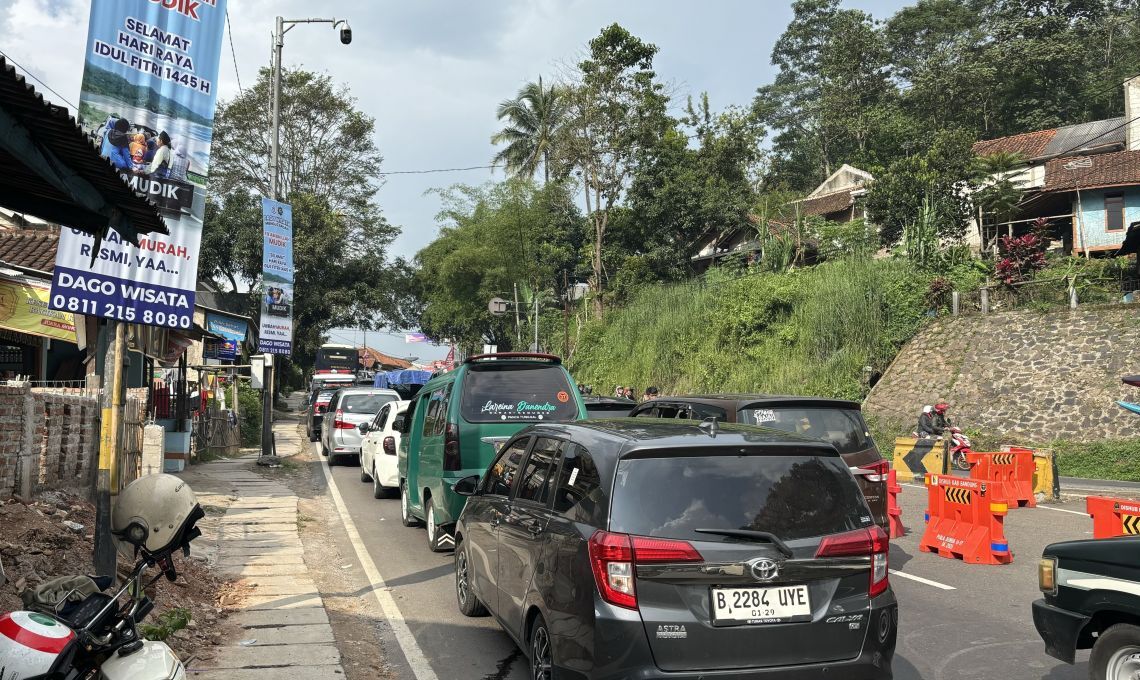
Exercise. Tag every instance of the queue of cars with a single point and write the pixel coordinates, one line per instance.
(739, 536)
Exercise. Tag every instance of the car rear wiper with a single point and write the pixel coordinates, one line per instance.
(754, 535)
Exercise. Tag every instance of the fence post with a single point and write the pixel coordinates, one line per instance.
(985, 300)
(1072, 293)
(954, 300)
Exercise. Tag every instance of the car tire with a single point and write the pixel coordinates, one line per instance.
(469, 605)
(1112, 654)
(539, 650)
(435, 532)
(378, 489)
(406, 517)
(364, 476)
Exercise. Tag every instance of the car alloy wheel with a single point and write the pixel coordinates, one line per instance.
(462, 578)
(432, 529)
(1124, 664)
(541, 662)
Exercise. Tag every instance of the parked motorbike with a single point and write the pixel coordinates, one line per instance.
(97, 637)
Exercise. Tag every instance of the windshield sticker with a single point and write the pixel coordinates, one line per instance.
(563, 396)
(573, 476)
(764, 415)
(523, 410)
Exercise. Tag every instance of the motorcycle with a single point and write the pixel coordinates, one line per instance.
(959, 447)
(97, 638)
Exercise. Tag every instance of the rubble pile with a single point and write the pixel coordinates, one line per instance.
(53, 535)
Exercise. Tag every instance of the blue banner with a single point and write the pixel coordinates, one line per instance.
(231, 329)
(147, 101)
(276, 336)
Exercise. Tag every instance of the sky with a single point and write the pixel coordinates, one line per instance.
(432, 72)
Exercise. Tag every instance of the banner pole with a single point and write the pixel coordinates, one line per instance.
(107, 476)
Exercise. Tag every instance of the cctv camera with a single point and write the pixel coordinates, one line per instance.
(346, 35)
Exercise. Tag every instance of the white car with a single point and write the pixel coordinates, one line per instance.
(379, 447)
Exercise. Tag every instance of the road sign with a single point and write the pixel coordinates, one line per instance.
(497, 306)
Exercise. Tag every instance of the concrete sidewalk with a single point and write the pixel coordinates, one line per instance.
(283, 619)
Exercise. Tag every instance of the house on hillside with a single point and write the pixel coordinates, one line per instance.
(839, 198)
(1084, 178)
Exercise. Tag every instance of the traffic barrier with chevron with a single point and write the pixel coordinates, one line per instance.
(915, 458)
(1046, 480)
(1113, 517)
(964, 521)
(1009, 474)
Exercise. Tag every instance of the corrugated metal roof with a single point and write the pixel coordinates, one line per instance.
(1073, 139)
(54, 131)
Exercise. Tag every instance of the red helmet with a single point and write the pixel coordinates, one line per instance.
(941, 407)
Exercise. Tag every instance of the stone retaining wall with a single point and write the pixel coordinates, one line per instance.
(1035, 376)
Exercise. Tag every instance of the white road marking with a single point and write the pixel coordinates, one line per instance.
(421, 669)
(1071, 512)
(935, 584)
(913, 486)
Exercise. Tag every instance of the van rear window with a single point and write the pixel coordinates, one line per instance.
(791, 496)
(517, 393)
(843, 428)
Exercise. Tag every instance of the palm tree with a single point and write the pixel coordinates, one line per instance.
(533, 119)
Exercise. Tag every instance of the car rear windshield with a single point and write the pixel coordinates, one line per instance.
(364, 403)
(791, 496)
(517, 393)
(325, 396)
(843, 428)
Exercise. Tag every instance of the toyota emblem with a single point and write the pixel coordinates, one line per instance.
(764, 569)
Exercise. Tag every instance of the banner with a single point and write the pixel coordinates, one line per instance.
(147, 101)
(229, 328)
(24, 309)
(276, 336)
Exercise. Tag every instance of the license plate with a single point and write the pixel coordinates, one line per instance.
(778, 604)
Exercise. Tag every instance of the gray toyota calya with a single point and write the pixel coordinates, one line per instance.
(636, 548)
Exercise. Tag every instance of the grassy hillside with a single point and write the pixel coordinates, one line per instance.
(809, 331)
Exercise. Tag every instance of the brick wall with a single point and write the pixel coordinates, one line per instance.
(47, 440)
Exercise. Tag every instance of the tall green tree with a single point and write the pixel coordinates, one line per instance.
(330, 171)
(491, 238)
(617, 112)
(534, 119)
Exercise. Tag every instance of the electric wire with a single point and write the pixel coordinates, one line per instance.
(33, 77)
(233, 52)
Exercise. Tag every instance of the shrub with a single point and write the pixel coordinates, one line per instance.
(1021, 257)
(249, 400)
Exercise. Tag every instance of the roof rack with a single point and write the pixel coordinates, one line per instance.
(514, 355)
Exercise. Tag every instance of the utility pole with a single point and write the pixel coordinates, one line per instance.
(565, 314)
(279, 31)
(536, 320)
(107, 477)
(518, 323)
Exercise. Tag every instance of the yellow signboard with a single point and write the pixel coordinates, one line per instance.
(24, 309)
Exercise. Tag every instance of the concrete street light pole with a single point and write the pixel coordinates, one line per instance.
(281, 27)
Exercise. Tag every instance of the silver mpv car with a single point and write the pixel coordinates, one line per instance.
(350, 406)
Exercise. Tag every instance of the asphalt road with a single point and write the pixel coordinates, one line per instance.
(979, 628)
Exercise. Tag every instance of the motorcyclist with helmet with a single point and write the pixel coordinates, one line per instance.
(933, 421)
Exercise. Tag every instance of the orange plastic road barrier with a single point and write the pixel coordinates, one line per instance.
(1113, 517)
(1009, 474)
(894, 513)
(963, 521)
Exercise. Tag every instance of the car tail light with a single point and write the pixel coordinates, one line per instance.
(614, 558)
(390, 446)
(872, 542)
(451, 459)
(879, 470)
(339, 423)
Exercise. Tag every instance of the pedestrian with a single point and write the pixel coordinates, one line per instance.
(619, 392)
(629, 393)
(650, 393)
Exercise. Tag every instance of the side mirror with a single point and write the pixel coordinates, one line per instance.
(468, 486)
(363, 427)
(398, 423)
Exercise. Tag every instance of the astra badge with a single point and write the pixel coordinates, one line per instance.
(764, 569)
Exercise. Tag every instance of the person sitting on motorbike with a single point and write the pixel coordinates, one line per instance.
(933, 421)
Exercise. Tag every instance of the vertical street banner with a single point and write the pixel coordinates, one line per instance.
(276, 336)
(147, 101)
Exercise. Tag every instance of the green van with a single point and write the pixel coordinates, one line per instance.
(457, 420)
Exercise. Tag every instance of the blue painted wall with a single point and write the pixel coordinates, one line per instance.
(1092, 216)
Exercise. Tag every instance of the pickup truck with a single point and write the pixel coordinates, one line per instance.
(1092, 599)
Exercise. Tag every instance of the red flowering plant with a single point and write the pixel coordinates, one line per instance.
(1021, 256)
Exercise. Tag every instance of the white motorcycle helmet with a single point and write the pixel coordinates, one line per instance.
(157, 514)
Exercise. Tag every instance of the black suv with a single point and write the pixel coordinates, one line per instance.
(634, 548)
(836, 421)
(1092, 599)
